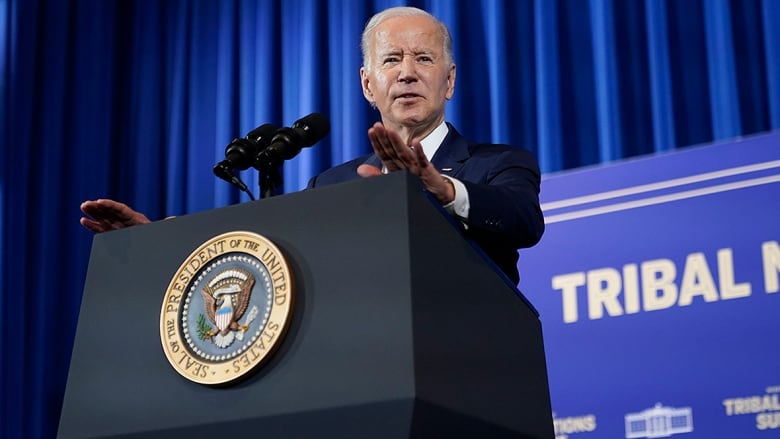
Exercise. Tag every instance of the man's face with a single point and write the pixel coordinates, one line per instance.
(408, 77)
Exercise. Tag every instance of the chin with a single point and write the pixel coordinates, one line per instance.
(408, 118)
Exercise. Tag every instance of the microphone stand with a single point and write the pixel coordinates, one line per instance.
(270, 179)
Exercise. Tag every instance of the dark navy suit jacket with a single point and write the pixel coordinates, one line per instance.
(503, 189)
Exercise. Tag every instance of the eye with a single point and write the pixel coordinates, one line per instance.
(425, 59)
(390, 60)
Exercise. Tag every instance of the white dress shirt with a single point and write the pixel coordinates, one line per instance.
(431, 143)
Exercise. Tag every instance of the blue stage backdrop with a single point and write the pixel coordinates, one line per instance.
(136, 100)
(658, 283)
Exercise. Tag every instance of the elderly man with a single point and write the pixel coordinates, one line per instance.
(408, 74)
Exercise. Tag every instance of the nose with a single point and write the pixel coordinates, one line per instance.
(408, 70)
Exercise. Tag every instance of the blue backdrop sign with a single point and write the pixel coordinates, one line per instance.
(658, 284)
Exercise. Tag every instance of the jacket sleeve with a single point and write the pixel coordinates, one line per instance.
(504, 202)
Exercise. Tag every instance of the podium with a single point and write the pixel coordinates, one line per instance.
(400, 328)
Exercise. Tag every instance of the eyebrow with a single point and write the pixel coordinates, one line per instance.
(414, 52)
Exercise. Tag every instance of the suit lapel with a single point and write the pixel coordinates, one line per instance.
(453, 152)
(373, 160)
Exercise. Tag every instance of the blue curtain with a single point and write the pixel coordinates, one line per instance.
(136, 100)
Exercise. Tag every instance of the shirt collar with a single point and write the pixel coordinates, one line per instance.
(433, 141)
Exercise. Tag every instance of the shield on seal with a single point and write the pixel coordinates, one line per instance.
(224, 315)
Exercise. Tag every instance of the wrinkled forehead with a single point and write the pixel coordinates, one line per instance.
(416, 34)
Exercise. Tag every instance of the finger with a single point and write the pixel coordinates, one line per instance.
(104, 215)
(99, 208)
(366, 171)
(422, 161)
(387, 144)
(105, 218)
(92, 225)
(90, 208)
(414, 158)
(397, 149)
(85, 206)
(382, 147)
(113, 205)
(116, 210)
(120, 214)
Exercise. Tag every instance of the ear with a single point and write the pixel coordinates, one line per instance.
(365, 84)
(450, 83)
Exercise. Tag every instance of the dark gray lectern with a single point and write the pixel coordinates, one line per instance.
(400, 329)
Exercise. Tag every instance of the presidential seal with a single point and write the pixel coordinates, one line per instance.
(227, 308)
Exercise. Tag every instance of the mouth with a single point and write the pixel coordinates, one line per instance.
(407, 96)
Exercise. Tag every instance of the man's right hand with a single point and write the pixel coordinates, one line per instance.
(104, 215)
(396, 155)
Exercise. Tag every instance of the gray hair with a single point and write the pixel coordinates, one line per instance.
(403, 11)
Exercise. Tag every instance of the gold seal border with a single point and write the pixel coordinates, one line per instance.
(173, 344)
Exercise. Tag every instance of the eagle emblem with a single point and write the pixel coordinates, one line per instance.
(224, 313)
(226, 299)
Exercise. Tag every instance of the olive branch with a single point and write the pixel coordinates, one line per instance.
(203, 328)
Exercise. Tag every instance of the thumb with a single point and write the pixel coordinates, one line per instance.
(368, 171)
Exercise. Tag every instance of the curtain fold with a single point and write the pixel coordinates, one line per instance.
(606, 79)
(721, 69)
(136, 100)
(661, 104)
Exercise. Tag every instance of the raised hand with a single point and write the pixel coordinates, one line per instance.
(396, 155)
(104, 215)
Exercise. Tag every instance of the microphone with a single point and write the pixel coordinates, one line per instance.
(288, 142)
(240, 154)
